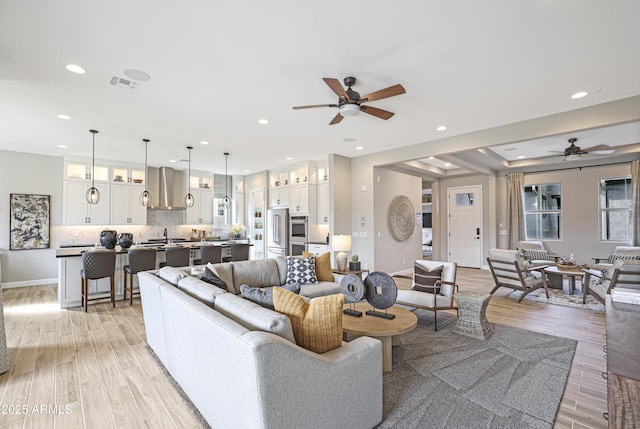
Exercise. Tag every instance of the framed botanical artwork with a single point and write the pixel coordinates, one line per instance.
(29, 222)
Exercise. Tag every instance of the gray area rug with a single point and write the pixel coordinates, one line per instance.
(560, 297)
(515, 379)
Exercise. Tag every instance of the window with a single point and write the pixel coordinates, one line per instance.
(542, 210)
(615, 209)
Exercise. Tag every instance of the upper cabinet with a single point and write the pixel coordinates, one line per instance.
(126, 208)
(76, 209)
(323, 203)
(322, 172)
(81, 171)
(134, 176)
(294, 187)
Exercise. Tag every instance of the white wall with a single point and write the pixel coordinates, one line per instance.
(22, 173)
(392, 256)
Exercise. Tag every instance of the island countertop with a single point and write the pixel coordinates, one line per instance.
(76, 250)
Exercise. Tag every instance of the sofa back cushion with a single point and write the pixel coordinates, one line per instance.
(171, 275)
(225, 272)
(254, 317)
(256, 273)
(200, 290)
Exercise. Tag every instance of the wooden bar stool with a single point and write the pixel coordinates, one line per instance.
(176, 256)
(97, 264)
(139, 260)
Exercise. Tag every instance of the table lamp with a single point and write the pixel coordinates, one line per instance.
(341, 243)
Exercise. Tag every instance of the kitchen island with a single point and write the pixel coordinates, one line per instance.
(70, 264)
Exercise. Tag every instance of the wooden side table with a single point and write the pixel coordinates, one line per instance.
(345, 272)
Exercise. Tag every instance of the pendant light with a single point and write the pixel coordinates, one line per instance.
(145, 196)
(226, 201)
(189, 201)
(93, 195)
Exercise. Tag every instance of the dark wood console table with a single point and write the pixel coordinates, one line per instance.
(623, 365)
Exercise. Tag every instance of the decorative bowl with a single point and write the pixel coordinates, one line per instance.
(137, 180)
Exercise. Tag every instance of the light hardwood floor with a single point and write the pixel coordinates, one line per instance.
(95, 369)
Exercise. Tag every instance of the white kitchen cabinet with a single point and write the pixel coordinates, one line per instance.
(317, 249)
(279, 197)
(125, 205)
(127, 175)
(202, 210)
(76, 209)
(81, 171)
(323, 203)
(299, 199)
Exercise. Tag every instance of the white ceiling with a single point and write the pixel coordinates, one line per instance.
(218, 67)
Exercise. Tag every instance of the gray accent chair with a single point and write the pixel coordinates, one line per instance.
(523, 246)
(141, 259)
(509, 271)
(97, 264)
(620, 250)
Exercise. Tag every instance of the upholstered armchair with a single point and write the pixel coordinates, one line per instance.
(535, 253)
(624, 273)
(438, 295)
(509, 271)
(621, 252)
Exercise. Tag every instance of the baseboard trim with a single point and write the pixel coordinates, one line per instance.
(23, 283)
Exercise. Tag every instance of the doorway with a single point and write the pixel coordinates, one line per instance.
(465, 225)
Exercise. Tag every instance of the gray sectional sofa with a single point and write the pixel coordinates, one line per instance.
(238, 361)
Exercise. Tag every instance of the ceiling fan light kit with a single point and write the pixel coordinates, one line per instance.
(351, 104)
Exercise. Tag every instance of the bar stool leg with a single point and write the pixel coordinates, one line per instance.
(124, 281)
(113, 295)
(131, 291)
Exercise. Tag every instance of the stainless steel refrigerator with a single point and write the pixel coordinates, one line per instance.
(277, 232)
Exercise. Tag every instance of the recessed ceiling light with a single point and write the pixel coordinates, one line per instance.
(580, 94)
(63, 116)
(359, 148)
(204, 142)
(289, 158)
(62, 146)
(247, 171)
(521, 157)
(263, 121)
(349, 139)
(431, 157)
(446, 164)
(441, 128)
(172, 160)
(138, 75)
(75, 68)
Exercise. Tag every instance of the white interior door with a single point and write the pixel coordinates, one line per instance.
(465, 226)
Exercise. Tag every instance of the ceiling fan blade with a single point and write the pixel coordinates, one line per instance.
(379, 113)
(313, 106)
(336, 119)
(384, 93)
(336, 87)
(602, 151)
(597, 148)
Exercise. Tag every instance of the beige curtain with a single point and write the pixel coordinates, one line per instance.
(635, 203)
(515, 208)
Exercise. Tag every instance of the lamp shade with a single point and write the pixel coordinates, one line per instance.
(341, 243)
(349, 110)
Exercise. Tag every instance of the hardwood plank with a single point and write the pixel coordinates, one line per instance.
(71, 417)
(146, 399)
(67, 387)
(125, 412)
(87, 365)
(110, 371)
(16, 394)
(172, 401)
(94, 399)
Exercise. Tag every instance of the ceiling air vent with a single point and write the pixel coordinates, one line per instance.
(124, 83)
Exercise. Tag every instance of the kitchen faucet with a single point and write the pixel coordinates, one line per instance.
(166, 239)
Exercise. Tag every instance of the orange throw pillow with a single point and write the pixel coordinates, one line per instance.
(316, 326)
(324, 273)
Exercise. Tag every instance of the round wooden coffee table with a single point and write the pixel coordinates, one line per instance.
(379, 328)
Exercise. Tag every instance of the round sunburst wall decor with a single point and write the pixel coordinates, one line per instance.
(401, 218)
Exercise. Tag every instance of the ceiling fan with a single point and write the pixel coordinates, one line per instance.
(350, 103)
(574, 152)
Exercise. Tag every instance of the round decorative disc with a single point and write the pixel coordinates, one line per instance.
(401, 218)
(352, 288)
(380, 290)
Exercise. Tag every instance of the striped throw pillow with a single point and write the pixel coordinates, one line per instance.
(536, 254)
(615, 256)
(425, 279)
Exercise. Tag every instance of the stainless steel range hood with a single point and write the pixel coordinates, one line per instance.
(166, 191)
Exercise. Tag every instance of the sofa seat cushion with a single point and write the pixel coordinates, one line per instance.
(317, 326)
(200, 290)
(254, 317)
(319, 289)
(422, 299)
